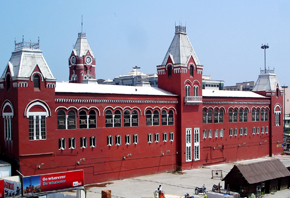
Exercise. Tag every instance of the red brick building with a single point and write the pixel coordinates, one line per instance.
(114, 131)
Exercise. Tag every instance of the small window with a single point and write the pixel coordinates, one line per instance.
(109, 118)
(221, 133)
(171, 137)
(236, 132)
(83, 142)
(127, 119)
(266, 129)
(169, 71)
(210, 134)
(170, 117)
(156, 137)
(204, 134)
(83, 120)
(254, 131)
(156, 118)
(127, 139)
(109, 140)
(258, 130)
(135, 118)
(71, 120)
(72, 143)
(92, 119)
(241, 131)
(191, 70)
(230, 132)
(245, 131)
(209, 118)
(117, 118)
(216, 133)
(117, 140)
(135, 139)
(60, 119)
(93, 142)
(164, 118)
(149, 118)
(61, 143)
(36, 80)
(165, 138)
(149, 137)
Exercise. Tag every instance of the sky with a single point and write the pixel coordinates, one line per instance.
(226, 35)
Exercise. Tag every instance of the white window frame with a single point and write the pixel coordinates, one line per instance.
(117, 140)
(72, 142)
(135, 139)
(188, 146)
(165, 137)
(127, 139)
(83, 142)
(221, 133)
(262, 130)
(236, 132)
(149, 136)
(61, 144)
(196, 144)
(266, 129)
(37, 135)
(210, 133)
(157, 137)
(245, 131)
(109, 140)
(93, 143)
(216, 133)
(204, 134)
(258, 130)
(171, 137)
(241, 131)
(230, 132)
(7, 126)
(254, 130)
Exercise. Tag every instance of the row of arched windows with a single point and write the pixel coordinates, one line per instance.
(112, 118)
(235, 115)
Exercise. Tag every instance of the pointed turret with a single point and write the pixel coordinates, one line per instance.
(82, 61)
(267, 81)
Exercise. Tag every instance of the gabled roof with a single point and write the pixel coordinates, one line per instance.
(180, 49)
(82, 46)
(261, 171)
(267, 81)
(66, 87)
(23, 62)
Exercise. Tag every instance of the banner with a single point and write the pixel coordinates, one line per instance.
(12, 188)
(50, 182)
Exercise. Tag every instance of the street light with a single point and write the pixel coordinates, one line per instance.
(264, 47)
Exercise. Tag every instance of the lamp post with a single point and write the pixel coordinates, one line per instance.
(284, 107)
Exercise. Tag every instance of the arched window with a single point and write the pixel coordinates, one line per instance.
(170, 117)
(127, 119)
(8, 82)
(209, 118)
(262, 115)
(61, 119)
(149, 118)
(135, 118)
(235, 115)
(36, 80)
(8, 113)
(71, 119)
(195, 90)
(221, 116)
(241, 115)
(109, 118)
(156, 118)
(266, 114)
(216, 116)
(187, 90)
(92, 119)
(204, 116)
(230, 115)
(253, 115)
(117, 119)
(246, 115)
(277, 92)
(83, 120)
(191, 70)
(258, 115)
(169, 71)
(164, 117)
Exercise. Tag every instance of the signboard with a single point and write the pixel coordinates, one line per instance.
(36, 184)
(12, 188)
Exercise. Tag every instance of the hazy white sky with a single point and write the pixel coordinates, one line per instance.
(226, 35)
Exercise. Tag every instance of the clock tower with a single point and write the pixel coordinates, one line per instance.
(81, 62)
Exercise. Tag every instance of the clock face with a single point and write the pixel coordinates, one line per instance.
(73, 60)
(88, 60)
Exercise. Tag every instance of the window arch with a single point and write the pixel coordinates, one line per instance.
(164, 117)
(61, 119)
(117, 118)
(7, 114)
(156, 118)
(149, 118)
(171, 117)
(191, 70)
(127, 120)
(71, 119)
(83, 120)
(92, 119)
(135, 118)
(195, 90)
(187, 90)
(169, 71)
(109, 118)
(36, 80)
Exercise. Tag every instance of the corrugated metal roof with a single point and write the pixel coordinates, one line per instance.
(109, 89)
(262, 171)
(225, 93)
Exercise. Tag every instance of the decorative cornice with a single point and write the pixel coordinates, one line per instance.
(76, 100)
(234, 102)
